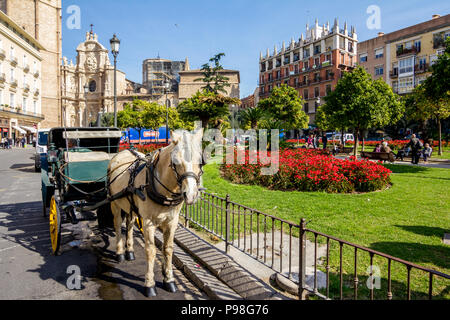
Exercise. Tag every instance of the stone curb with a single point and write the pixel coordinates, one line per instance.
(201, 277)
(225, 268)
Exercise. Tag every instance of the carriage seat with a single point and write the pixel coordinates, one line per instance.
(71, 157)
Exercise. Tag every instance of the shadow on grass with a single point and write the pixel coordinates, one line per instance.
(396, 168)
(426, 231)
(415, 252)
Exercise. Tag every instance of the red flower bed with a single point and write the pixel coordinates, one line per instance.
(145, 148)
(313, 170)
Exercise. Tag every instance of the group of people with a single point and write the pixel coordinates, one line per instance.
(415, 147)
(8, 143)
(313, 141)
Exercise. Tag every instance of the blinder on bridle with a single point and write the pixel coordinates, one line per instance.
(188, 174)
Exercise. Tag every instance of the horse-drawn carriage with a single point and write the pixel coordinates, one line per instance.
(84, 172)
(74, 176)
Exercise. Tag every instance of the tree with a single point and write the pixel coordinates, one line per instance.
(215, 81)
(360, 103)
(149, 115)
(251, 116)
(206, 106)
(285, 106)
(434, 99)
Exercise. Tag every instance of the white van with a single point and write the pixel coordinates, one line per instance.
(41, 148)
(347, 137)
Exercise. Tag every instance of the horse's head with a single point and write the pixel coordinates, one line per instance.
(187, 162)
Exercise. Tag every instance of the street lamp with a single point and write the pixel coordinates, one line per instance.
(86, 90)
(166, 88)
(115, 45)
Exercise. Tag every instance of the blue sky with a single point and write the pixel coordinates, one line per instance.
(198, 29)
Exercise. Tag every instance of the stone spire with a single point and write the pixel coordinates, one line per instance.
(268, 53)
(187, 67)
(260, 55)
(292, 43)
(283, 48)
(328, 25)
(275, 50)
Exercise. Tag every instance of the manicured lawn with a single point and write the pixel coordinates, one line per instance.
(407, 221)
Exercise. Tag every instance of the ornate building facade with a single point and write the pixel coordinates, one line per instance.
(94, 71)
(42, 20)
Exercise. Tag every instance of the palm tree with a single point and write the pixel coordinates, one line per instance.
(252, 116)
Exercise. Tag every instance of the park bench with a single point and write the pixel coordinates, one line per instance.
(346, 150)
(383, 156)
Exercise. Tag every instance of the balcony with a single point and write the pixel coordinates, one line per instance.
(2, 77)
(26, 88)
(438, 42)
(36, 73)
(2, 54)
(26, 68)
(20, 111)
(420, 68)
(13, 61)
(404, 51)
(13, 83)
(36, 92)
(393, 74)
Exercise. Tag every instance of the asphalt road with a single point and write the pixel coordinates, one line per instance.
(28, 270)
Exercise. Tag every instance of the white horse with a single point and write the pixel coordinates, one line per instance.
(164, 182)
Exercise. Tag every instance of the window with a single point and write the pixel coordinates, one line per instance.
(92, 86)
(287, 59)
(34, 66)
(417, 45)
(317, 49)
(278, 74)
(296, 82)
(405, 65)
(379, 53)
(408, 45)
(316, 62)
(1, 96)
(306, 106)
(24, 80)
(306, 53)
(316, 92)
(379, 70)
(296, 56)
(24, 104)
(24, 60)
(12, 102)
(306, 94)
(317, 77)
(12, 75)
(296, 69)
(35, 106)
(405, 85)
(328, 57)
(35, 84)
(350, 46)
(11, 52)
(306, 65)
(328, 88)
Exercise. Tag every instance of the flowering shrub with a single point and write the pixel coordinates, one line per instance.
(312, 170)
(145, 148)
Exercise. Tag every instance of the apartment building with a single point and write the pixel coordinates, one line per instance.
(403, 58)
(313, 65)
(157, 71)
(20, 81)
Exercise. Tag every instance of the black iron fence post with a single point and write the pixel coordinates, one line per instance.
(302, 261)
(227, 224)
(186, 216)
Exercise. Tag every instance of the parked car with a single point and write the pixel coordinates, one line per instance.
(41, 148)
(337, 136)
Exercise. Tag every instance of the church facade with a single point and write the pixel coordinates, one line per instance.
(94, 71)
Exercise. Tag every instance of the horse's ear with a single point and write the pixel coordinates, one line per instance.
(175, 137)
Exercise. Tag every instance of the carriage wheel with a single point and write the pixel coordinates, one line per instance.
(55, 226)
(140, 224)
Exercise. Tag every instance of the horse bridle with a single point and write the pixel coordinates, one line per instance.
(175, 197)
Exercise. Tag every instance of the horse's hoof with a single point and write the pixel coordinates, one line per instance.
(130, 256)
(170, 286)
(120, 258)
(150, 292)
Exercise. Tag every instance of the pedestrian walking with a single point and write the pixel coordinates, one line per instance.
(23, 142)
(324, 141)
(416, 146)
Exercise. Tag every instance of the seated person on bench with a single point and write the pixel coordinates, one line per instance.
(377, 148)
(403, 153)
